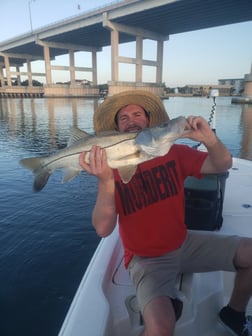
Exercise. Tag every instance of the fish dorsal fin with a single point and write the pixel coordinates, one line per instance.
(77, 134)
(127, 172)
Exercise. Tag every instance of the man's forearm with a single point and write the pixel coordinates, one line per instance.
(104, 214)
(219, 159)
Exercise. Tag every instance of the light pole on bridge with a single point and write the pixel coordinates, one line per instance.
(29, 5)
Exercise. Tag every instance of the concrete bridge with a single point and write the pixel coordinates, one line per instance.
(120, 22)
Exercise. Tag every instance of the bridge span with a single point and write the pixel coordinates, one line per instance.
(119, 22)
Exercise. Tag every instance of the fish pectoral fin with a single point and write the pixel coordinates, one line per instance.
(70, 173)
(127, 172)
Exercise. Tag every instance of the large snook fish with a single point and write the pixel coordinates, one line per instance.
(124, 151)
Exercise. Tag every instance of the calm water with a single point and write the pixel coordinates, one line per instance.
(46, 238)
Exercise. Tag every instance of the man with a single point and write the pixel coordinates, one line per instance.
(157, 245)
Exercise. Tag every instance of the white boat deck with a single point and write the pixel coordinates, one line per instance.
(104, 304)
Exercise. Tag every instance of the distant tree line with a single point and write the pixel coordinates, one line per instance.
(26, 83)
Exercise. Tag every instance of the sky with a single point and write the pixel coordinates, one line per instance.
(197, 57)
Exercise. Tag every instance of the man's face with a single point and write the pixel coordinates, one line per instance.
(132, 118)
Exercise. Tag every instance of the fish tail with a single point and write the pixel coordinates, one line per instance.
(42, 173)
(32, 163)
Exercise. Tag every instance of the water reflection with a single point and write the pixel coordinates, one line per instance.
(46, 122)
(246, 142)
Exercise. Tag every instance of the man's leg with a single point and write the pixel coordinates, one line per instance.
(233, 316)
(155, 282)
(159, 317)
(243, 282)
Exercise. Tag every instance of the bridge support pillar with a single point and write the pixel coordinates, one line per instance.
(7, 69)
(247, 95)
(47, 65)
(72, 67)
(116, 85)
(74, 88)
(114, 38)
(18, 75)
(248, 84)
(94, 67)
(2, 83)
(29, 72)
(139, 58)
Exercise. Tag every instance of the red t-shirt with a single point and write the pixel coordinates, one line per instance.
(151, 205)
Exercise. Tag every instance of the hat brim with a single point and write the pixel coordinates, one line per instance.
(104, 116)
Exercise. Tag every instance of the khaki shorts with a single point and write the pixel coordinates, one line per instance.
(202, 251)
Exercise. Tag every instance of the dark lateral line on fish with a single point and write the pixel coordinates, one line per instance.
(79, 152)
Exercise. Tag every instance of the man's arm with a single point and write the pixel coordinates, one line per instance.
(104, 215)
(219, 158)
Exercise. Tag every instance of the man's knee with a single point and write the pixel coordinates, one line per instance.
(243, 256)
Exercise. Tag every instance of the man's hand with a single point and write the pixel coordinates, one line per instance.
(199, 130)
(219, 158)
(97, 164)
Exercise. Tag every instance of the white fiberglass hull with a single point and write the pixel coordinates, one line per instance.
(104, 304)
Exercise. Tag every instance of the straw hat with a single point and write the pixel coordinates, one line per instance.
(104, 116)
